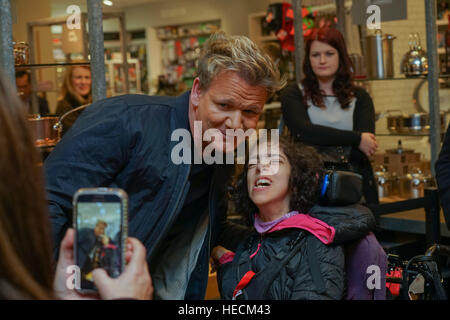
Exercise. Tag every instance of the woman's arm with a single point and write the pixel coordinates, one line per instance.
(364, 115)
(297, 120)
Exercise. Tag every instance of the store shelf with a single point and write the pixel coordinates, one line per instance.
(205, 34)
(442, 76)
(49, 65)
(268, 38)
(402, 135)
(442, 22)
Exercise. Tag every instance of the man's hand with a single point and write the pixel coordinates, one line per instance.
(216, 254)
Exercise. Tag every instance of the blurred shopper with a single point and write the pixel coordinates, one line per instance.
(329, 112)
(26, 268)
(23, 84)
(178, 210)
(75, 92)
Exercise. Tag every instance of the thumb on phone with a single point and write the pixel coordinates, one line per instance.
(102, 282)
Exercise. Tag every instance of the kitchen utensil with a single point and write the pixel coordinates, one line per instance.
(414, 123)
(387, 183)
(21, 53)
(380, 55)
(359, 67)
(415, 61)
(421, 97)
(399, 149)
(412, 185)
(42, 130)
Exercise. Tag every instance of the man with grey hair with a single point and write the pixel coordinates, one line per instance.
(178, 211)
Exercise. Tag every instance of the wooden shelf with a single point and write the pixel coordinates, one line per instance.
(185, 36)
(47, 65)
(442, 22)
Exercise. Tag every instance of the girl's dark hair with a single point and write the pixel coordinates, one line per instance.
(25, 242)
(343, 86)
(307, 172)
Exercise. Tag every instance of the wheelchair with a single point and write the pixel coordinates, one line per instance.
(419, 278)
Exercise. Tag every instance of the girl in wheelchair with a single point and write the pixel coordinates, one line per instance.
(296, 247)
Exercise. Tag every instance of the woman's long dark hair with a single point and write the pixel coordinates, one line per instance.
(307, 172)
(25, 243)
(343, 86)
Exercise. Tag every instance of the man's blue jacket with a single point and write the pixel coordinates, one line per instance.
(125, 142)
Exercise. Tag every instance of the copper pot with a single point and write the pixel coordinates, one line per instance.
(42, 129)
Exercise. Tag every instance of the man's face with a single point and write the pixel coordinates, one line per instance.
(99, 229)
(23, 87)
(229, 103)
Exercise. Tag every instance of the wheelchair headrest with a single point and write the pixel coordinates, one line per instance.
(341, 188)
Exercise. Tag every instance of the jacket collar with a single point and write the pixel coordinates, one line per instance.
(318, 228)
(182, 110)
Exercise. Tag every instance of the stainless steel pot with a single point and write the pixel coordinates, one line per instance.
(387, 183)
(394, 120)
(414, 123)
(359, 67)
(412, 185)
(380, 55)
(415, 61)
(42, 130)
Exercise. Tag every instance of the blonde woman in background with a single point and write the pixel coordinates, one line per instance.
(75, 91)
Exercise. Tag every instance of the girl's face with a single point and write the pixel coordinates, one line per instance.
(268, 179)
(81, 81)
(324, 60)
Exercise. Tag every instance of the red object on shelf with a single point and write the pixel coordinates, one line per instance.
(178, 49)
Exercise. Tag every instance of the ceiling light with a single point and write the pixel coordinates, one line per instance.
(107, 2)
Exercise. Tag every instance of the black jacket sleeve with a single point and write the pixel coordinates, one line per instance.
(364, 116)
(297, 120)
(90, 155)
(229, 233)
(442, 168)
(350, 222)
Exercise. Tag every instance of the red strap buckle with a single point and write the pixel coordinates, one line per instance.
(243, 283)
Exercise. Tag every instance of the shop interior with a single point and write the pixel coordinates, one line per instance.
(151, 47)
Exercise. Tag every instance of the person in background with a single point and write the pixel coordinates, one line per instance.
(26, 265)
(23, 84)
(295, 252)
(75, 92)
(177, 209)
(329, 112)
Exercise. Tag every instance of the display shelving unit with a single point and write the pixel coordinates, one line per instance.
(95, 37)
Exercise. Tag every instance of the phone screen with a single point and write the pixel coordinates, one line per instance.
(98, 237)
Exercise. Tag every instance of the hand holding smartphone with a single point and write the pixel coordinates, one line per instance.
(100, 223)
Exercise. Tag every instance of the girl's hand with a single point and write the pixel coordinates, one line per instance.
(368, 144)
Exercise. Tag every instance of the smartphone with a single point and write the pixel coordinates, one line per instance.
(100, 223)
